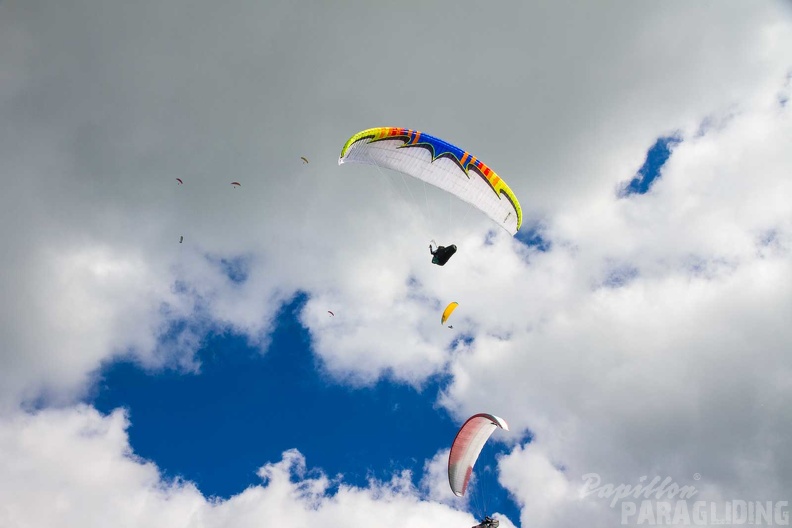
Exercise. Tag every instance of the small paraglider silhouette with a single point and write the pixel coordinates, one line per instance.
(305, 160)
(181, 239)
(180, 181)
(450, 326)
(331, 313)
(236, 184)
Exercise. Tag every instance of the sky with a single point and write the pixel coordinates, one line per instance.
(636, 327)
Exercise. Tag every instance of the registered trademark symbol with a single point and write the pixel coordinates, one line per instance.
(696, 476)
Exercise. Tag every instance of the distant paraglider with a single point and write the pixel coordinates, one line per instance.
(305, 160)
(236, 184)
(331, 313)
(181, 239)
(447, 312)
(180, 181)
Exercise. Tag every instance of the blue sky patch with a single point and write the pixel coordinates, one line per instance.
(244, 409)
(533, 238)
(656, 157)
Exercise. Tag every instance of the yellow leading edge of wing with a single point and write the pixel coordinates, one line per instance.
(467, 177)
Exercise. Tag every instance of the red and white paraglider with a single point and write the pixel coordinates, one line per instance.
(466, 449)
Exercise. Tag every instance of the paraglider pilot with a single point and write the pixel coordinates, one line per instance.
(441, 255)
(488, 522)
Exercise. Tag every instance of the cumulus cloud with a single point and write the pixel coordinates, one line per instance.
(651, 337)
(678, 368)
(435, 478)
(93, 142)
(74, 467)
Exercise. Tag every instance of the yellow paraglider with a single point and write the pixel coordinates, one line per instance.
(448, 311)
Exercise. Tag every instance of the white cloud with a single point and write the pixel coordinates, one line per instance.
(678, 370)
(546, 496)
(680, 366)
(74, 467)
(435, 479)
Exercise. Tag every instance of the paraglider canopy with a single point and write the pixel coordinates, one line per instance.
(305, 160)
(467, 446)
(180, 181)
(448, 311)
(440, 164)
(236, 184)
(331, 313)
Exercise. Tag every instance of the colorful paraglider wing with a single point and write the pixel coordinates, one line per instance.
(305, 160)
(439, 163)
(466, 449)
(448, 311)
